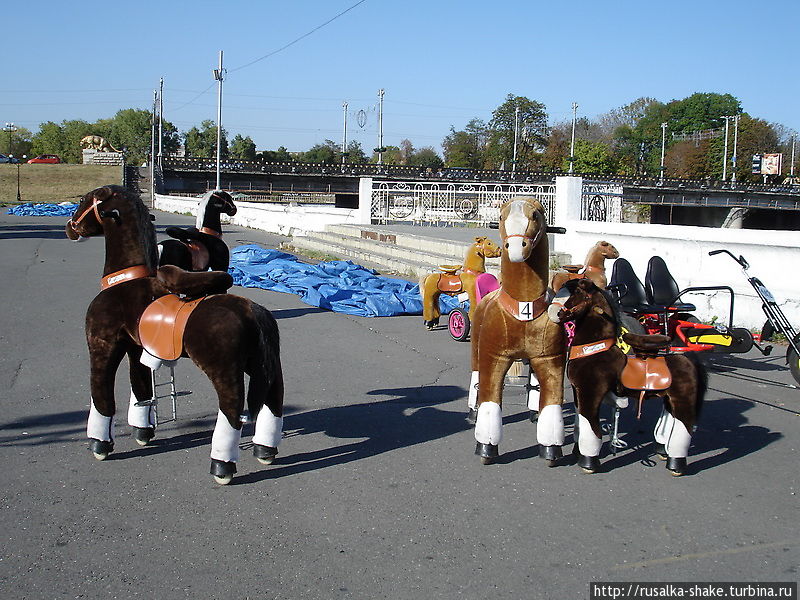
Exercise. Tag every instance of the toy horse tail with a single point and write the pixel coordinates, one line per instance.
(265, 364)
(702, 381)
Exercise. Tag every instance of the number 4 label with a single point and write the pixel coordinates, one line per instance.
(525, 311)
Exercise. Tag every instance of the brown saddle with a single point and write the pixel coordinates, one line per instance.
(449, 283)
(162, 324)
(645, 371)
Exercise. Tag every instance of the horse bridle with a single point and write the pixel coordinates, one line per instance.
(99, 215)
(533, 240)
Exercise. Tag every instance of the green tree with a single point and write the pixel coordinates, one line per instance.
(326, 153)
(592, 158)
(355, 153)
(202, 143)
(392, 155)
(17, 142)
(529, 119)
(426, 157)
(243, 148)
(466, 148)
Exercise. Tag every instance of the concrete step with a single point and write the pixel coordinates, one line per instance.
(404, 253)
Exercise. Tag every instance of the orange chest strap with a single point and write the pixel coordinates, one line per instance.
(123, 275)
(584, 350)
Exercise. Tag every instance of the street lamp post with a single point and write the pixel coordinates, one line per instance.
(735, 143)
(19, 196)
(663, 147)
(572, 141)
(725, 155)
(516, 136)
(219, 76)
(11, 129)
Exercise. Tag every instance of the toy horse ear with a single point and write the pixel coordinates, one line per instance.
(102, 194)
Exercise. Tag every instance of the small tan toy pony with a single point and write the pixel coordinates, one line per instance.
(451, 282)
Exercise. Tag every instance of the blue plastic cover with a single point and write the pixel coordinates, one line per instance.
(337, 285)
(42, 210)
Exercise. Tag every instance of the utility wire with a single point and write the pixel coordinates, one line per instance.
(293, 42)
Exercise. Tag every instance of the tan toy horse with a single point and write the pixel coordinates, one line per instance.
(509, 325)
(450, 282)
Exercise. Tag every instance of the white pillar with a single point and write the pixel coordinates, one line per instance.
(365, 200)
(567, 210)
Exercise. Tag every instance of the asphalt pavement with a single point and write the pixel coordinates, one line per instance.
(376, 492)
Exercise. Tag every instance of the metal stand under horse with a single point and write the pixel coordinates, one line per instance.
(173, 395)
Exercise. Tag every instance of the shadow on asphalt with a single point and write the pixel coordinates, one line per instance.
(409, 418)
(53, 232)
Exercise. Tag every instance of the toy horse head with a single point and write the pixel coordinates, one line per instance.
(522, 226)
(487, 248)
(587, 301)
(218, 200)
(95, 210)
(606, 250)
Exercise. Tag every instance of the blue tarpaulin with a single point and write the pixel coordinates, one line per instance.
(338, 285)
(43, 210)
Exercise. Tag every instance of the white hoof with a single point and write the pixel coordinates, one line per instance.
(223, 480)
(266, 461)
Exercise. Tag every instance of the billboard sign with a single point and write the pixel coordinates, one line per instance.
(771, 164)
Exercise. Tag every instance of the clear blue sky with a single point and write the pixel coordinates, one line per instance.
(441, 62)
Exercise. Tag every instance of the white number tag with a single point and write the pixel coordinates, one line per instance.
(525, 311)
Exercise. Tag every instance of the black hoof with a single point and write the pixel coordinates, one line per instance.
(100, 449)
(487, 452)
(551, 454)
(661, 451)
(264, 454)
(533, 416)
(589, 464)
(431, 324)
(143, 435)
(676, 466)
(472, 416)
(222, 471)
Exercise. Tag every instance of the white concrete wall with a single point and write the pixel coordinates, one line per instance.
(285, 219)
(774, 257)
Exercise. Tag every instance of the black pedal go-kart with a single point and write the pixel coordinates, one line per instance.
(656, 307)
(776, 321)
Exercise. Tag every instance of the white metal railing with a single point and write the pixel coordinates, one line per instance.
(451, 203)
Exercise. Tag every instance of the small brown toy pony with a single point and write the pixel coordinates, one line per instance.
(593, 268)
(598, 366)
(450, 282)
(510, 324)
(226, 336)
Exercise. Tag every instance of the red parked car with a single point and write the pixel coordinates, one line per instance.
(49, 159)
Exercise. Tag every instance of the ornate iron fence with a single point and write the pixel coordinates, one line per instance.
(601, 202)
(451, 203)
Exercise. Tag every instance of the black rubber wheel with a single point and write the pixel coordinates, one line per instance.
(794, 360)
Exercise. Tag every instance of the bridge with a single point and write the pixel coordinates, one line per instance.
(679, 201)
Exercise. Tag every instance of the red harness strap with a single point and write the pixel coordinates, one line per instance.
(522, 311)
(211, 232)
(129, 274)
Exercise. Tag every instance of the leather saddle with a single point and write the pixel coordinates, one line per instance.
(449, 282)
(163, 322)
(196, 242)
(645, 371)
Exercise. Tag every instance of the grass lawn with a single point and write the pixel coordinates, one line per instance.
(54, 183)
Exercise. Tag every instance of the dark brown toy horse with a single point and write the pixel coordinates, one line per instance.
(226, 336)
(450, 282)
(510, 324)
(200, 248)
(598, 366)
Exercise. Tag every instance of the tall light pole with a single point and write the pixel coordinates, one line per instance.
(516, 135)
(24, 156)
(572, 142)
(152, 160)
(791, 171)
(663, 148)
(725, 155)
(219, 75)
(380, 149)
(160, 118)
(344, 133)
(735, 143)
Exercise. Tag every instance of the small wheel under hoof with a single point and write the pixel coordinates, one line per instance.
(100, 449)
(676, 466)
(487, 452)
(661, 451)
(222, 471)
(472, 416)
(551, 454)
(589, 464)
(533, 416)
(143, 435)
(264, 454)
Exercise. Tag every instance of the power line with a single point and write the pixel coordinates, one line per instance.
(293, 42)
